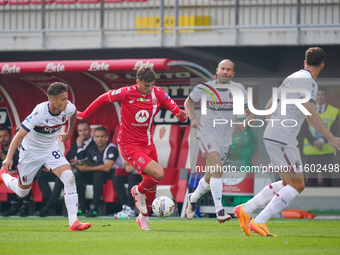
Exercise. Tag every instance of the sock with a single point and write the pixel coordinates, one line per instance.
(263, 197)
(70, 195)
(150, 197)
(216, 187)
(142, 217)
(147, 184)
(202, 188)
(278, 203)
(12, 184)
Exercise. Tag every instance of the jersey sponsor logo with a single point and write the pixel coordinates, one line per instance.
(142, 116)
(141, 160)
(225, 106)
(46, 129)
(28, 118)
(110, 155)
(142, 99)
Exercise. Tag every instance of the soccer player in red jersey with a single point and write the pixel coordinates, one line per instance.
(139, 105)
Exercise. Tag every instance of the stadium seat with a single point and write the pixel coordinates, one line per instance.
(88, 1)
(40, 1)
(65, 1)
(4, 2)
(167, 141)
(19, 2)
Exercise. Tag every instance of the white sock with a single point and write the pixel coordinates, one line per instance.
(216, 187)
(142, 217)
(12, 184)
(263, 197)
(70, 195)
(278, 203)
(202, 188)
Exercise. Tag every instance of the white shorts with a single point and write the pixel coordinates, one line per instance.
(208, 145)
(31, 161)
(284, 158)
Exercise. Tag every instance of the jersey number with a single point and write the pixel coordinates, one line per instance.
(57, 154)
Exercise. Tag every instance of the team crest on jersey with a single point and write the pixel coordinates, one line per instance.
(141, 160)
(154, 101)
(209, 146)
(46, 121)
(63, 118)
(24, 178)
(142, 99)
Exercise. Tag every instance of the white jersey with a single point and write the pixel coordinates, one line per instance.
(215, 110)
(43, 127)
(275, 131)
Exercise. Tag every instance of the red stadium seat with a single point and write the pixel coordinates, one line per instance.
(4, 2)
(40, 1)
(19, 2)
(65, 1)
(167, 141)
(88, 1)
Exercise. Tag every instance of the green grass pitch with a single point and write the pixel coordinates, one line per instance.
(168, 236)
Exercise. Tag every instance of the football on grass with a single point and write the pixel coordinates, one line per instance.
(163, 206)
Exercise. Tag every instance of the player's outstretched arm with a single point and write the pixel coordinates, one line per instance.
(8, 162)
(315, 120)
(101, 100)
(72, 122)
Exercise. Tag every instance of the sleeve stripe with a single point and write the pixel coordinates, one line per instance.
(312, 100)
(24, 127)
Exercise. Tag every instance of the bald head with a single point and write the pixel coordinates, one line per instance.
(225, 71)
(226, 61)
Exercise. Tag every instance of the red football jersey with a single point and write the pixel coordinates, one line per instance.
(137, 111)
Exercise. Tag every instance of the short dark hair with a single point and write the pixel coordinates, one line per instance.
(56, 88)
(323, 89)
(84, 122)
(101, 129)
(315, 56)
(6, 129)
(146, 74)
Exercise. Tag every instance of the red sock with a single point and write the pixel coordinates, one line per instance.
(147, 184)
(150, 197)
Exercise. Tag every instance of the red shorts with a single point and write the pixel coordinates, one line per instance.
(138, 156)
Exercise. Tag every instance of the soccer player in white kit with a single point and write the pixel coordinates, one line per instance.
(214, 141)
(281, 145)
(37, 138)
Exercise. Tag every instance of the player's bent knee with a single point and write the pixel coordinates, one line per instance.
(68, 179)
(22, 192)
(159, 175)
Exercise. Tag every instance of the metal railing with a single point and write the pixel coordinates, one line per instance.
(115, 15)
